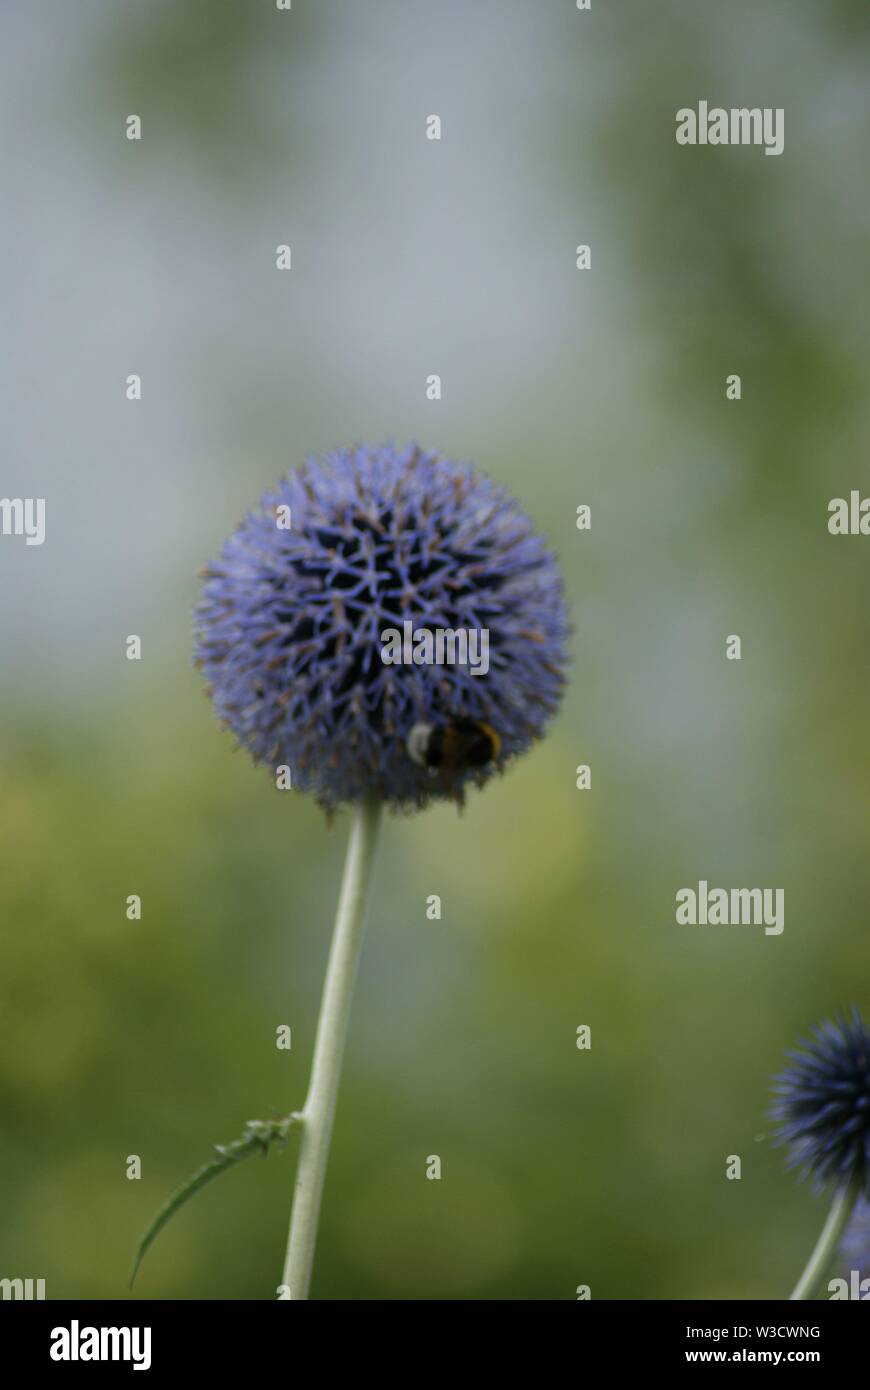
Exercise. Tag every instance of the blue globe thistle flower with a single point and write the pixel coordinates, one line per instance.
(289, 628)
(823, 1104)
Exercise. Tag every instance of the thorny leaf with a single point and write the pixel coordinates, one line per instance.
(257, 1137)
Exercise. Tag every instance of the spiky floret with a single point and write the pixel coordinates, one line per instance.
(823, 1103)
(289, 626)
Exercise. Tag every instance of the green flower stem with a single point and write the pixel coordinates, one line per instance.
(817, 1266)
(319, 1109)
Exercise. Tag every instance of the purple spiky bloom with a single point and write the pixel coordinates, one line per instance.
(289, 626)
(823, 1103)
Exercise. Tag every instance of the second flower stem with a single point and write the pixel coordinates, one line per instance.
(332, 1023)
(820, 1259)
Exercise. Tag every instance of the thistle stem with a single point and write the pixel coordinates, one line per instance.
(319, 1109)
(817, 1265)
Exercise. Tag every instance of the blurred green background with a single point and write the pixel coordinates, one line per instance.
(605, 387)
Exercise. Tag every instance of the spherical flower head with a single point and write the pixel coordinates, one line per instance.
(823, 1103)
(312, 591)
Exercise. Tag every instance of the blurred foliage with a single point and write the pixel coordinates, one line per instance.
(158, 1037)
(204, 73)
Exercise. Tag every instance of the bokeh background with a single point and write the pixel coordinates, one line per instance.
(604, 387)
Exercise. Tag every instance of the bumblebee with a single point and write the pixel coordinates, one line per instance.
(454, 746)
